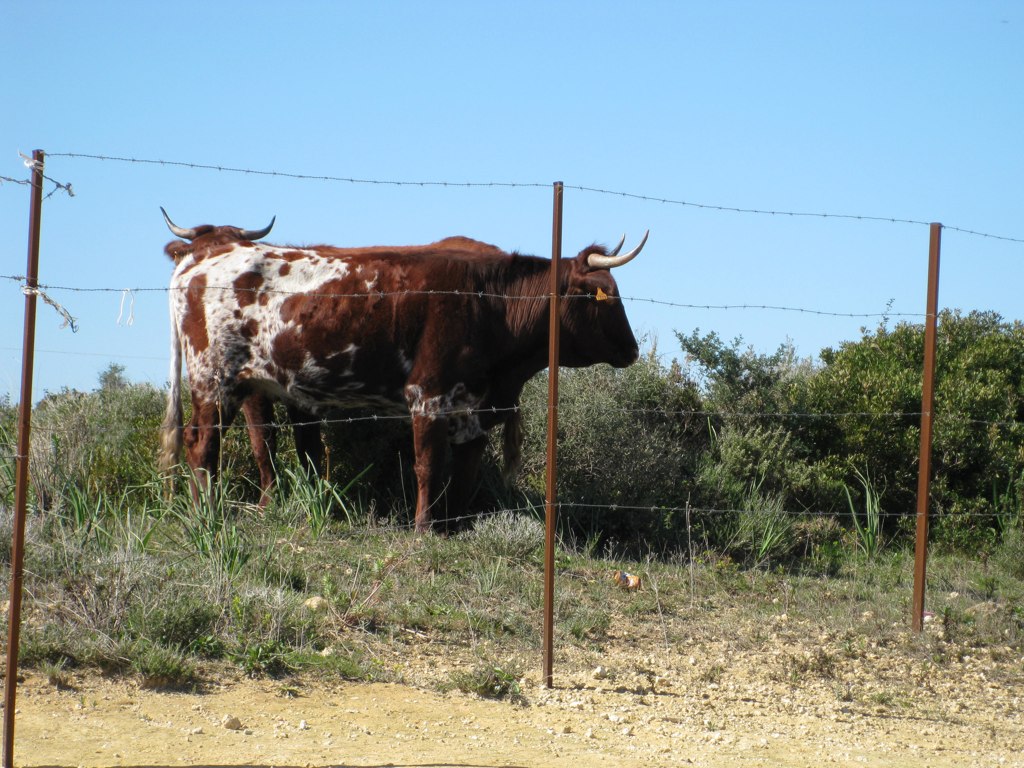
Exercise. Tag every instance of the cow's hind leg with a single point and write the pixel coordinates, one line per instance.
(308, 445)
(466, 458)
(203, 440)
(258, 410)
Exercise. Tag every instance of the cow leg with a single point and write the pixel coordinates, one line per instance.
(258, 410)
(202, 440)
(308, 445)
(466, 458)
(430, 439)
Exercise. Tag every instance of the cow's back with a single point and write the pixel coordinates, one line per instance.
(322, 326)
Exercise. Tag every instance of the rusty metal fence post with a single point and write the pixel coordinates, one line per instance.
(924, 469)
(21, 471)
(551, 497)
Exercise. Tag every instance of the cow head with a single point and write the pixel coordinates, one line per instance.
(595, 328)
(210, 234)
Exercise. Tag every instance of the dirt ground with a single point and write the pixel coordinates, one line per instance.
(719, 702)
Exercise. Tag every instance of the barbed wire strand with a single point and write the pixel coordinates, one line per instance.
(386, 522)
(297, 176)
(507, 184)
(469, 294)
(31, 164)
(680, 414)
(378, 524)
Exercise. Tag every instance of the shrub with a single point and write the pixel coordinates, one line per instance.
(509, 535)
(178, 617)
(979, 400)
(627, 438)
(99, 441)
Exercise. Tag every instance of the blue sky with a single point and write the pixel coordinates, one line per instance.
(907, 110)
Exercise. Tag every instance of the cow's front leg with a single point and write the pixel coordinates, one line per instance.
(430, 439)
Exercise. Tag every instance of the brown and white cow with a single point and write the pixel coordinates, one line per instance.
(447, 333)
(257, 407)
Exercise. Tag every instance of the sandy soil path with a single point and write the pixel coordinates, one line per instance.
(586, 722)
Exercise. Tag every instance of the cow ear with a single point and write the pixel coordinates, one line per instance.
(177, 250)
(581, 263)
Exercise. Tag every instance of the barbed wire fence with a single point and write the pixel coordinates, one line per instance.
(48, 291)
(44, 290)
(53, 295)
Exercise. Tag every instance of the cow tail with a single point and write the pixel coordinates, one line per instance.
(171, 429)
(512, 444)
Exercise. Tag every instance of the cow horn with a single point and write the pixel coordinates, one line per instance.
(615, 251)
(256, 234)
(612, 260)
(187, 234)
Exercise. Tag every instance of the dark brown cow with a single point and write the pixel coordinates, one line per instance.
(257, 408)
(447, 333)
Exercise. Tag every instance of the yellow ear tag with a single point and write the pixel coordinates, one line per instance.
(601, 295)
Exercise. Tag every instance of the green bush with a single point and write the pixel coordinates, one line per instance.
(102, 441)
(978, 427)
(628, 445)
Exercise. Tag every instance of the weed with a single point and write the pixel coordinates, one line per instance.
(320, 499)
(712, 674)
(882, 698)
(8, 467)
(162, 667)
(490, 681)
(820, 664)
(82, 514)
(955, 624)
(585, 622)
(180, 619)
(56, 673)
(987, 586)
(1007, 504)
(869, 532)
(208, 530)
(843, 692)
(334, 662)
(263, 658)
(489, 578)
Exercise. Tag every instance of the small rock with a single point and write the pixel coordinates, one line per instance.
(231, 723)
(315, 603)
(303, 725)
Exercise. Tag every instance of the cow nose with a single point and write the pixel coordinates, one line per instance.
(628, 357)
